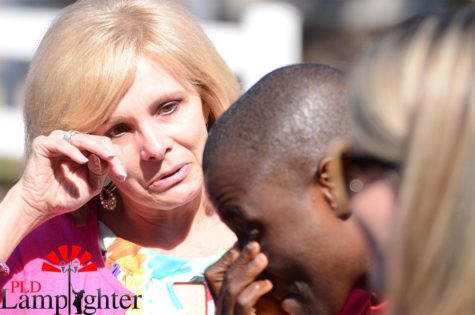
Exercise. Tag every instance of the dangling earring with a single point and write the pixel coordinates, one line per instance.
(107, 197)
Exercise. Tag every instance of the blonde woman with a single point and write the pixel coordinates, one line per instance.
(413, 108)
(125, 90)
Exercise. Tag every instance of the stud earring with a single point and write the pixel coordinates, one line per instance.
(107, 197)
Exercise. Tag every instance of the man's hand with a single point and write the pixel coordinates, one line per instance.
(232, 281)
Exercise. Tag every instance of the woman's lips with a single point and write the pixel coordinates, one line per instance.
(171, 179)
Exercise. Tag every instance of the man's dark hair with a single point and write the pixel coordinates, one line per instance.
(280, 128)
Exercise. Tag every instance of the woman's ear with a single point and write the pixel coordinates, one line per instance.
(325, 181)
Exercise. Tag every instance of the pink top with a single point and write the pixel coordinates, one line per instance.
(359, 302)
(39, 281)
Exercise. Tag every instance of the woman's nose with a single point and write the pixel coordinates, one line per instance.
(154, 145)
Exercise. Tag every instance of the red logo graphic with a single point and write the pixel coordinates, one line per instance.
(68, 260)
(58, 263)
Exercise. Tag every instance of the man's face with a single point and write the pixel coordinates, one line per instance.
(296, 231)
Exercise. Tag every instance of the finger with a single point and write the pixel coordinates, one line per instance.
(240, 275)
(292, 306)
(249, 252)
(52, 148)
(103, 148)
(99, 145)
(248, 298)
(248, 266)
(214, 274)
(224, 262)
(98, 170)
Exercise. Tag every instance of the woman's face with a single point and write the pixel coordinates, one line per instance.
(365, 186)
(373, 210)
(159, 129)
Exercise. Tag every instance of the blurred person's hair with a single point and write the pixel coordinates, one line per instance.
(87, 61)
(413, 102)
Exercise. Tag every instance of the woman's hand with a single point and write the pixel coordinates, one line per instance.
(234, 277)
(63, 174)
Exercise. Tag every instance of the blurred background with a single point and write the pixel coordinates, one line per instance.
(254, 37)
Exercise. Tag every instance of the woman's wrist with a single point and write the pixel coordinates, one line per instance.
(17, 219)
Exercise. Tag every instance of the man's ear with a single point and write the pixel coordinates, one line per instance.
(325, 181)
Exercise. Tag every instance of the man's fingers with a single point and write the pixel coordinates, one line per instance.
(248, 298)
(215, 273)
(240, 275)
(292, 306)
(249, 252)
(246, 268)
(240, 281)
(226, 261)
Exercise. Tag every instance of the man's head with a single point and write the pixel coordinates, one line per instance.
(265, 171)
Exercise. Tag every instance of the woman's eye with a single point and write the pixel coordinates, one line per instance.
(117, 131)
(168, 108)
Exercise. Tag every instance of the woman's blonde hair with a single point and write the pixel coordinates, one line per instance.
(87, 61)
(413, 102)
